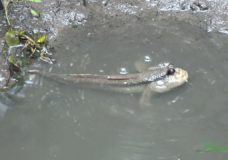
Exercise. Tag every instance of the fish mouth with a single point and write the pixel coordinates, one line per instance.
(181, 75)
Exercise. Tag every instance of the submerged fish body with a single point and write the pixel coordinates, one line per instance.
(157, 79)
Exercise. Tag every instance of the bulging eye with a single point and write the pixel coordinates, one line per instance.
(170, 71)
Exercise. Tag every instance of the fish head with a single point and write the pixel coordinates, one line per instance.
(173, 78)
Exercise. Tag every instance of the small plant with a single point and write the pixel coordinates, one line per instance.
(23, 49)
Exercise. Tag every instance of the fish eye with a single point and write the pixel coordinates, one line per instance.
(170, 71)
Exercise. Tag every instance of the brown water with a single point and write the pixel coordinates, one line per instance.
(56, 122)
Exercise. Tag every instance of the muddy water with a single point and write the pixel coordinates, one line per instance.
(56, 122)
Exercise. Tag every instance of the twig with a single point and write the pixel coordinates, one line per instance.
(84, 3)
(1, 6)
(5, 4)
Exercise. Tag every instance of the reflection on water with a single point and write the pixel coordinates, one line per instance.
(63, 122)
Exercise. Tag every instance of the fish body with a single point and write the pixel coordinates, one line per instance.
(161, 78)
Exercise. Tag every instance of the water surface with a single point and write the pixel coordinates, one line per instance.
(56, 122)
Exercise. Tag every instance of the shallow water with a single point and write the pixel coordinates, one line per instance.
(59, 122)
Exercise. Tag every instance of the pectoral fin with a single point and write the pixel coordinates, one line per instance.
(140, 66)
(146, 96)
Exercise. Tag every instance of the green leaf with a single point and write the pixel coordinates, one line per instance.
(12, 38)
(42, 38)
(35, 1)
(35, 13)
(11, 59)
